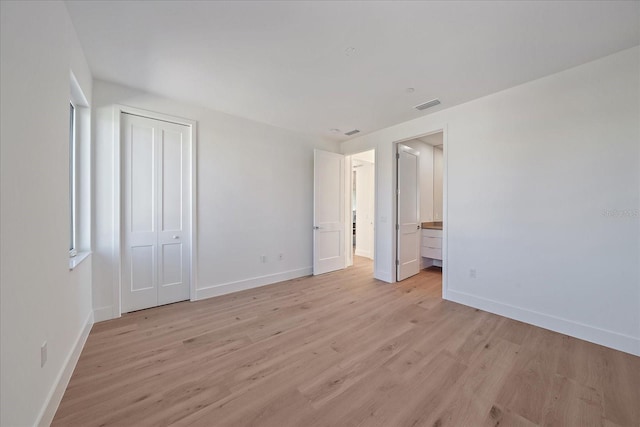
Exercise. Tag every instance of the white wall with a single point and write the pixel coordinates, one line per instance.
(41, 300)
(254, 197)
(533, 178)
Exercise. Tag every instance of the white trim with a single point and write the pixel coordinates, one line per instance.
(77, 259)
(427, 262)
(193, 200)
(115, 226)
(116, 255)
(384, 275)
(375, 207)
(54, 397)
(444, 263)
(81, 167)
(604, 337)
(77, 95)
(254, 282)
(388, 276)
(103, 313)
(348, 209)
(376, 273)
(73, 171)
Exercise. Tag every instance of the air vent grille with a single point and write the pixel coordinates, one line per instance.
(352, 132)
(427, 104)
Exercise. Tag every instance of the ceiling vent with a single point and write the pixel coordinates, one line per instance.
(352, 132)
(427, 104)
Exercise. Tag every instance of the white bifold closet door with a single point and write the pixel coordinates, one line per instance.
(155, 212)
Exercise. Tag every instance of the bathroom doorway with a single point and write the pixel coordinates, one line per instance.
(362, 212)
(420, 190)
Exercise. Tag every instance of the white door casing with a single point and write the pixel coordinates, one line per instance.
(408, 222)
(349, 206)
(156, 212)
(328, 212)
(365, 190)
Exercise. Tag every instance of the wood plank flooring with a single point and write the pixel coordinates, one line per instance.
(343, 349)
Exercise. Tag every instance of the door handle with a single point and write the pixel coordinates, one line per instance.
(175, 237)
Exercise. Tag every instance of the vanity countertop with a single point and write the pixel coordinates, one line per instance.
(432, 225)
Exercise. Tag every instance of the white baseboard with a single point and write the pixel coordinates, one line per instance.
(103, 313)
(425, 263)
(364, 254)
(625, 343)
(57, 391)
(254, 282)
(385, 276)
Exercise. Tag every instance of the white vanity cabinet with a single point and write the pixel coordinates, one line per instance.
(431, 244)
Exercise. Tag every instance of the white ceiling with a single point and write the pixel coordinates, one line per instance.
(291, 64)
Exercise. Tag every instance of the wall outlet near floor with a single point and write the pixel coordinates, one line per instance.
(43, 354)
(472, 273)
(263, 258)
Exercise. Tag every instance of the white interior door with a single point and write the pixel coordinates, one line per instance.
(328, 212)
(156, 212)
(408, 225)
(364, 209)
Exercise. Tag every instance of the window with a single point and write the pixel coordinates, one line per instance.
(72, 181)
(79, 175)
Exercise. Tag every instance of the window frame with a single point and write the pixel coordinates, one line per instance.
(73, 202)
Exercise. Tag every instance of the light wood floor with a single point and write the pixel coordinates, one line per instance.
(343, 349)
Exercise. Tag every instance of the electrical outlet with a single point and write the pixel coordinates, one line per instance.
(263, 258)
(43, 354)
(472, 273)
(280, 257)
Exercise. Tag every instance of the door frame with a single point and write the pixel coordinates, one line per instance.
(415, 153)
(348, 208)
(117, 198)
(445, 192)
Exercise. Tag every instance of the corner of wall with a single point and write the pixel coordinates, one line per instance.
(103, 313)
(62, 380)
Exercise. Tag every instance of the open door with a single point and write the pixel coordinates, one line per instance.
(328, 212)
(408, 201)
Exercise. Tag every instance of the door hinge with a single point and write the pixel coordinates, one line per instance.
(397, 226)
(397, 156)
(397, 262)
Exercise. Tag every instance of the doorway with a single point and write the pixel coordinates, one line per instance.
(362, 212)
(344, 211)
(420, 204)
(156, 211)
